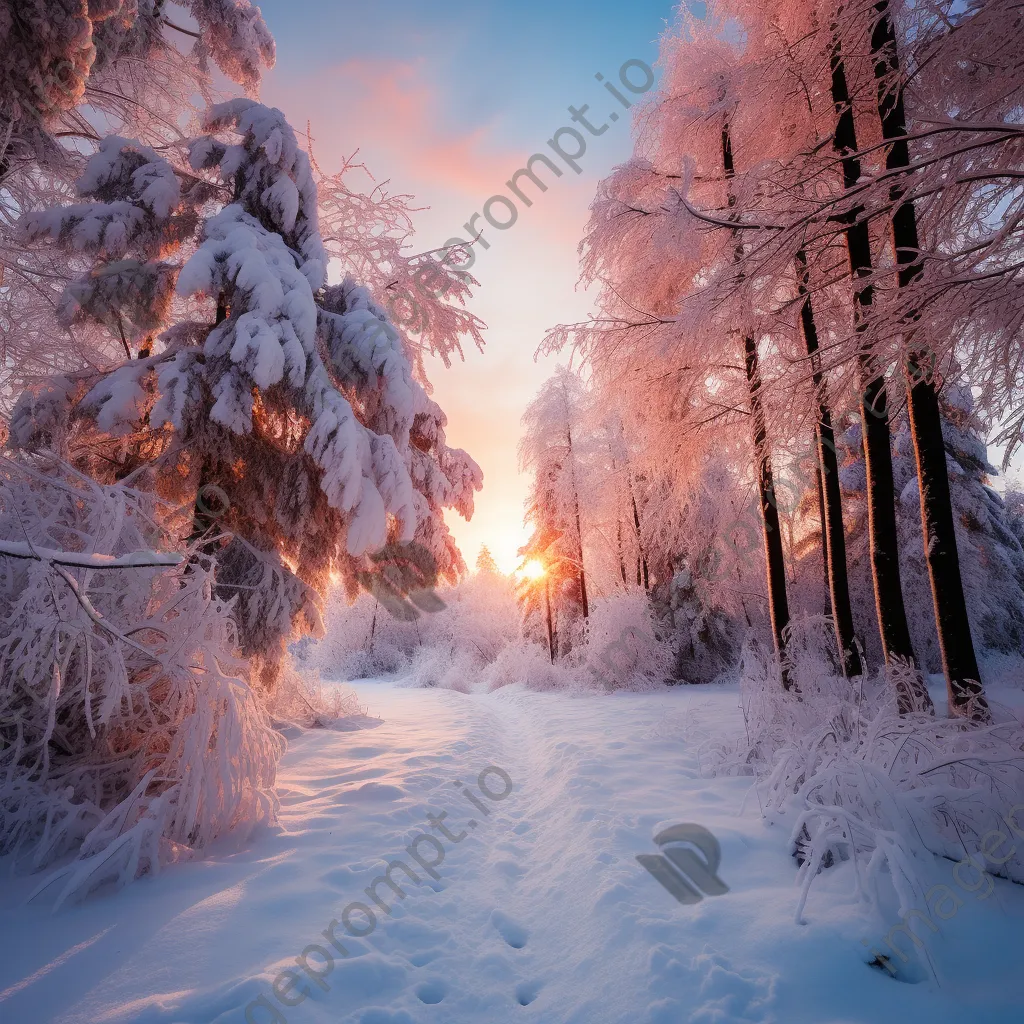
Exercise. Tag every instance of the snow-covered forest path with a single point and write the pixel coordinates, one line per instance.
(540, 914)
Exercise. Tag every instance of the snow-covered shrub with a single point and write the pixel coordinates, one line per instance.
(857, 781)
(129, 735)
(478, 642)
(705, 639)
(525, 663)
(434, 666)
(622, 649)
(481, 617)
(363, 639)
(302, 699)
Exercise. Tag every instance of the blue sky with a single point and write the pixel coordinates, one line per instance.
(447, 101)
(490, 58)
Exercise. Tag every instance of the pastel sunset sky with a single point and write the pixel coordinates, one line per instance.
(447, 100)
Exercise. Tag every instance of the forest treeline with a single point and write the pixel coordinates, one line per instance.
(769, 464)
(809, 329)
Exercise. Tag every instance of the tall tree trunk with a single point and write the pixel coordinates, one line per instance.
(778, 604)
(551, 630)
(877, 440)
(833, 530)
(819, 487)
(642, 577)
(959, 663)
(579, 528)
(618, 527)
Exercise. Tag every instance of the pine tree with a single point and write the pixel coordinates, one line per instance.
(485, 563)
(72, 73)
(295, 399)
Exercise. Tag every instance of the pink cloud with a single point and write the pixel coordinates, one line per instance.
(393, 112)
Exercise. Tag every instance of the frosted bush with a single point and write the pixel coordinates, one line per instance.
(129, 735)
(856, 781)
(622, 649)
(477, 642)
(435, 666)
(528, 664)
(479, 619)
(302, 699)
(361, 640)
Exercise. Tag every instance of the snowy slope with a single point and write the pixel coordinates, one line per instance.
(540, 914)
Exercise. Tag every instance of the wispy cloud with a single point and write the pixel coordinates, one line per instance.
(395, 114)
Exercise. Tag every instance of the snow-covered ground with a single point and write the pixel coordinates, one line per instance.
(540, 913)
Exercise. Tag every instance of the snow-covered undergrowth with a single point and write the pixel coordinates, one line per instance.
(856, 781)
(129, 734)
(622, 649)
(301, 699)
(478, 643)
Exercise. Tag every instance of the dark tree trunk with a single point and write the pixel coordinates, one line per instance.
(579, 531)
(583, 576)
(642, 577)
(833, 533)
(877, 440)
(827, 607)
(618, 529)
(553, 621)
(551, 630)
(966, 697)
(778, 604)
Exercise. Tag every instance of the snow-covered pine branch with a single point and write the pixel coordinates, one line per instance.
(301, 401)
(85, 560)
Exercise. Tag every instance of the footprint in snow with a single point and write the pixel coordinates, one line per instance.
(707, 990)
(527, 991)
(424, 957)
(511, 931)
(431, 992)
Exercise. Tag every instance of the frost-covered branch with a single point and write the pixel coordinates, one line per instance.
(133, 560)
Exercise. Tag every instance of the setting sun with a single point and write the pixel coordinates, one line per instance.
(533, 570)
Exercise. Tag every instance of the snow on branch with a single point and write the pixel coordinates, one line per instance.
(133, 560)
(273, 178)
